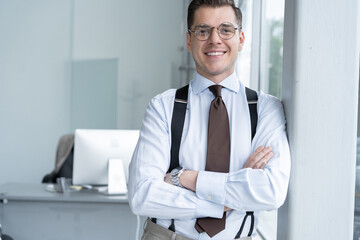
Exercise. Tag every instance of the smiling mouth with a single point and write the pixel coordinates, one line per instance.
(215, 53)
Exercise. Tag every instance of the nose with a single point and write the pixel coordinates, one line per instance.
(214, 36)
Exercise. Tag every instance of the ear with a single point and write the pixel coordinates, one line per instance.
(188, 42)
(241, 42)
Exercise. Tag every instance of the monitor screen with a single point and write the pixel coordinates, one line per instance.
(94, 147)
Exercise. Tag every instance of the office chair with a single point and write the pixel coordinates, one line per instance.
(64, 159)
(3, 236)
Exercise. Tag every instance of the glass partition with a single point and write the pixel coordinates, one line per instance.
(146, 44)
(271, 47)
(267, 62)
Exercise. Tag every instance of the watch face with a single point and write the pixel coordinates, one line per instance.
(174, 175)
(175, 171)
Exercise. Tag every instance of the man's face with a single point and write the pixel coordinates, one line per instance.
(215, 57)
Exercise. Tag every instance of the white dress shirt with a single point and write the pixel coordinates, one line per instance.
(241, 189)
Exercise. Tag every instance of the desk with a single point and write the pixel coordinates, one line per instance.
(28, 212)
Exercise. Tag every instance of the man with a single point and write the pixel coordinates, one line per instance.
(206, 203)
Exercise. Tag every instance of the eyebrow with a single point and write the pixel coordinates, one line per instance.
(226, 24)
(202, 25)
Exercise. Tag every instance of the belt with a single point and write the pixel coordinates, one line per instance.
(153, 231)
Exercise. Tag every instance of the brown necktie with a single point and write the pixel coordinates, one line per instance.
(218, 154)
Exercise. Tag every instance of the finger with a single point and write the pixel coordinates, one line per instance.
(263, 165)
(263, 161)
(257, 151)
(167, 178)
(261, 154)
(254, 161)
(226, 209)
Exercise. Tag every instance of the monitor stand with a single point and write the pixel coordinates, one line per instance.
(116, 178)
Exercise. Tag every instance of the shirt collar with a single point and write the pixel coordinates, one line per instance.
(200, 83)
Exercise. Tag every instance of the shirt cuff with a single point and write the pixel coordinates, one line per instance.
(208, 209)
(210, 186)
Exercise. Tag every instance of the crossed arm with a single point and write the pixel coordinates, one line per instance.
(207, 193)
(257, 160)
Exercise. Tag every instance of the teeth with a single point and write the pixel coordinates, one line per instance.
(214, 53)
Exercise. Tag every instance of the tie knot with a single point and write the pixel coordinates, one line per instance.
(216, 90)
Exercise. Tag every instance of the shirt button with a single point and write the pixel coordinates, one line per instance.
(209, 197)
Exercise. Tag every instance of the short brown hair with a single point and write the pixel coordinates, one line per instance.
(195, 4)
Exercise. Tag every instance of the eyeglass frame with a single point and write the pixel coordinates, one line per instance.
(217, 30)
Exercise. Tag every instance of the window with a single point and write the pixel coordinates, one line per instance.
(357, 184)
(271, 47)
(243, 66)
(260, 62)
(260, 66)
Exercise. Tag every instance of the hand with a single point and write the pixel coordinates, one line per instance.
(226, 209)
(259, 158)
(168, 179)
(194, 175)
(187, 179)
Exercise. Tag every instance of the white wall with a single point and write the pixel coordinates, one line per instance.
(40, 38)
(320, 94)
(145, 36)
(34, 85)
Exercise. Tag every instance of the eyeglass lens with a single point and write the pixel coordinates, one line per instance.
(225, 31)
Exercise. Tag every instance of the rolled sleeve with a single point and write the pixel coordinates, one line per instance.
(210, 186)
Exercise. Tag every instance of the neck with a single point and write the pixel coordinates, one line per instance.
(216, 78)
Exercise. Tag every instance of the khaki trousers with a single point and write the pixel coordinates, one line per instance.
(153, 231)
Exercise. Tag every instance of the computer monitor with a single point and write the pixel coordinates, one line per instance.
(94, 147)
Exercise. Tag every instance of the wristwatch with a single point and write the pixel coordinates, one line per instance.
(175, 175)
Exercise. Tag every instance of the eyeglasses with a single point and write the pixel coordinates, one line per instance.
(225, 31)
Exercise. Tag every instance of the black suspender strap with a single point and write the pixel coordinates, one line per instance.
(177, 125)
(252, 223)
(172, 225)
(178, 119)
(251, 214)
(252, 99)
